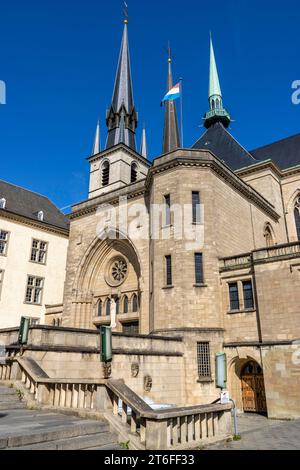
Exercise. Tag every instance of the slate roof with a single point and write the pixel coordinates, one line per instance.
(285, 153)
(224, 146)
(26, 203)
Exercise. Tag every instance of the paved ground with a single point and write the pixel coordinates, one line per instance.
(259, 433)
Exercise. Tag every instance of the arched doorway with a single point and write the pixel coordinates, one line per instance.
(253, 388)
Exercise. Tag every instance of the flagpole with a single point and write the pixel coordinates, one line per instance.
(181, 112)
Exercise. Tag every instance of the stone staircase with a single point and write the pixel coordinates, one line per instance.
(23, 429)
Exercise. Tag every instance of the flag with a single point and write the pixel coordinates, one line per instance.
(173, 94)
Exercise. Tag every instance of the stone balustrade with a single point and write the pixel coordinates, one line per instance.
(235, 262)
(290, 250)
(169, 429)
(176, 428)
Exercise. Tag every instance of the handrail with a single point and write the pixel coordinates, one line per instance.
(172, 428)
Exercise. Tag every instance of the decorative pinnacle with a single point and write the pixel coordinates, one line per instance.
(169, 53)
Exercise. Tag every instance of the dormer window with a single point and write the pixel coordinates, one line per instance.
(2, 203)
(41, 216)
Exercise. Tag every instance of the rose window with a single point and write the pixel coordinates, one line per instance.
(119, 270)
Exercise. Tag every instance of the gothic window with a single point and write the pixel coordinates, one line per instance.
(2, 203)
(108, 307)
(135, 303)
(268, 236)
(117, 306)
(297, 217)
(100, 308)
(217, 103)
(134, 173)
(248, 295)
(105, 174)
(213, 104)
(125, 304)
(119, 270)
(234, 297)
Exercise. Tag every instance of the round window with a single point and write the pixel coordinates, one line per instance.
(117, 271)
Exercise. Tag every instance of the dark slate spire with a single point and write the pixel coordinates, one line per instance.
(121, 118)
(171, 133)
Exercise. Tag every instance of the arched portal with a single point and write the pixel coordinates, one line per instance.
(253, 388)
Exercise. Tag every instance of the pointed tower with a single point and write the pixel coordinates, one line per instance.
(216, 111)
(144, 147)
(121, 118)
(97, 144)
(171, 140)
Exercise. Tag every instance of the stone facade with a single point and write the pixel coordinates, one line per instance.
(237, 209)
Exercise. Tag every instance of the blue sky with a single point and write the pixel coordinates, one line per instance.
(58, 59)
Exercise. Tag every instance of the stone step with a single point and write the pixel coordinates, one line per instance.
(9, 398)
(18, 405)
(100, 440)
(106, 447)
(29, 437)
(6, 391)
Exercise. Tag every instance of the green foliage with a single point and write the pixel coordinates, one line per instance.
(20, 394)
(237, 437)
(124, 445)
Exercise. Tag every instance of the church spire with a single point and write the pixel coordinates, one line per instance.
(97, 144)
(121, 118)
(144, 147)
(216, 111)
(171, 140)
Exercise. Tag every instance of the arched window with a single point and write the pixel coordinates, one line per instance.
(217, 103)
(213, 104)
(100, 308)
(268, 236)
(2, 203)
(135, 306)
(105, 173)
(297, 216)
(134, 172)
(108, 307)
(125, 304)
(117, 306)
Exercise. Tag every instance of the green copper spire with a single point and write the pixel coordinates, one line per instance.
(216, 111)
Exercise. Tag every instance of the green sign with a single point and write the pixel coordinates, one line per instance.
(106, 343)
(24, 330)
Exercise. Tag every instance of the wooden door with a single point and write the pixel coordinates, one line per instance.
(253, 389)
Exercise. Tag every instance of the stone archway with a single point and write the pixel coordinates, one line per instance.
(109, 270)
(247, 386)
(253, 388)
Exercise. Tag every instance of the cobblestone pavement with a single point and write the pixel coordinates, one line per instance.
(259, 433)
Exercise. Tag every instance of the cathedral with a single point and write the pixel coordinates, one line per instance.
(186, 257)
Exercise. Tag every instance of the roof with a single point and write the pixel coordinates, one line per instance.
(285, 153)
(224, 146)
(26, 203)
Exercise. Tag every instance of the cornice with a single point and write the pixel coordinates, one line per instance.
(210, 161)
(127, 150)
(269, 164)
(105, 199)
(33, 223)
